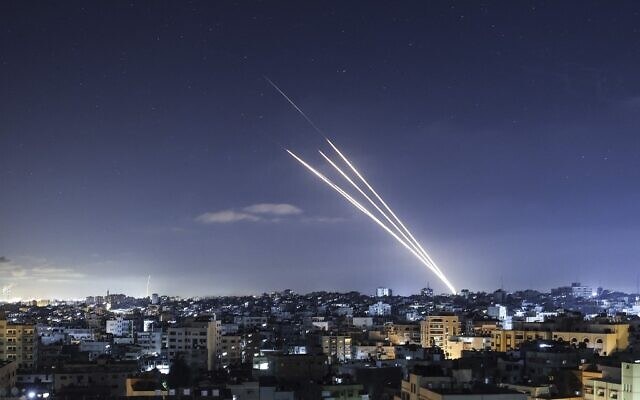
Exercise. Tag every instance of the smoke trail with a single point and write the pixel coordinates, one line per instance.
(373, 203)
(360, 207)
(413, 242)
(346, 160)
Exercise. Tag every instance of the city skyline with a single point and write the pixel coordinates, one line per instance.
(141, 139)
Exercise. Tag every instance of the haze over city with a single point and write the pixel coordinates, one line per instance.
(141, 138)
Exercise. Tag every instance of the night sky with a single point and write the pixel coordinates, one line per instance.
(141, 138)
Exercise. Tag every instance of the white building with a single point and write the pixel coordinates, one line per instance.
(150, 341)
(383, 292)
(120, 327)
(362, 322)
(380, 309)
(498, 312)
(578, 290)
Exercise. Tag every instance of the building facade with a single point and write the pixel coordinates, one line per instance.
(435, 330)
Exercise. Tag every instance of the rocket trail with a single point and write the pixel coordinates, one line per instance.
(373, 203)
(360, 207)
(295, 106)
(411, 243)
(346, 160)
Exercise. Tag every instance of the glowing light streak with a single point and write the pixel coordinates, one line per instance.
(346, 160)
(364, 210)
(373, 203)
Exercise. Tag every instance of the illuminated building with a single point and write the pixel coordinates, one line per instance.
(580, 291)
(435, 330)
(230, 350)
(338, 347)
(19, 343)
(399, 334)
(120, 327)
(455, 345)
(602, 338)
(380, 309)
(621, 383)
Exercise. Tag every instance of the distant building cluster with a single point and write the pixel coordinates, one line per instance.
(572, 343)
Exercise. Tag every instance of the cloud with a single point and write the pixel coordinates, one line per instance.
(262, 212)
(37, 269)
(273, 209)
(266, 212)
(326, 220)
(225, 217)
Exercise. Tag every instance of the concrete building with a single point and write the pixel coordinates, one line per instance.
(249, 321)
(8, 375)
(196, 342)
(19, 343)
(399, 334)
(101, 379)
(581, 291)
(120, 327)
(150, 341)
(606, 382)
(435, 330)
(337, 347)
(602, 338)
(383, 292)
(230, 350)
(380, 309)
(362, 322)
(497, 312)
(377, 351)
(95, 349)
(455, 345)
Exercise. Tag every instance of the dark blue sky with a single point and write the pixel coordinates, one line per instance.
(504, 133)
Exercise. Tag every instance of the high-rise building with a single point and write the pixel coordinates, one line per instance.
(196, 342)
(435, 330)
(19, 343)
(154, 298)
(384, 292)
(337, 346)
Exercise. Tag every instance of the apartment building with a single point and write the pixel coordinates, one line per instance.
(435, 330)
(19, 343)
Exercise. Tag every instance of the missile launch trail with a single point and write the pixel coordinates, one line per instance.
(373, 203)
(346, 160)
(407, 240)
(313, 125)
(373, 217)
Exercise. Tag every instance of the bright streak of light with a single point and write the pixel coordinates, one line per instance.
(373, 203)
(346, 160)
(360, 207)
(413, 242)
(294, 106)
